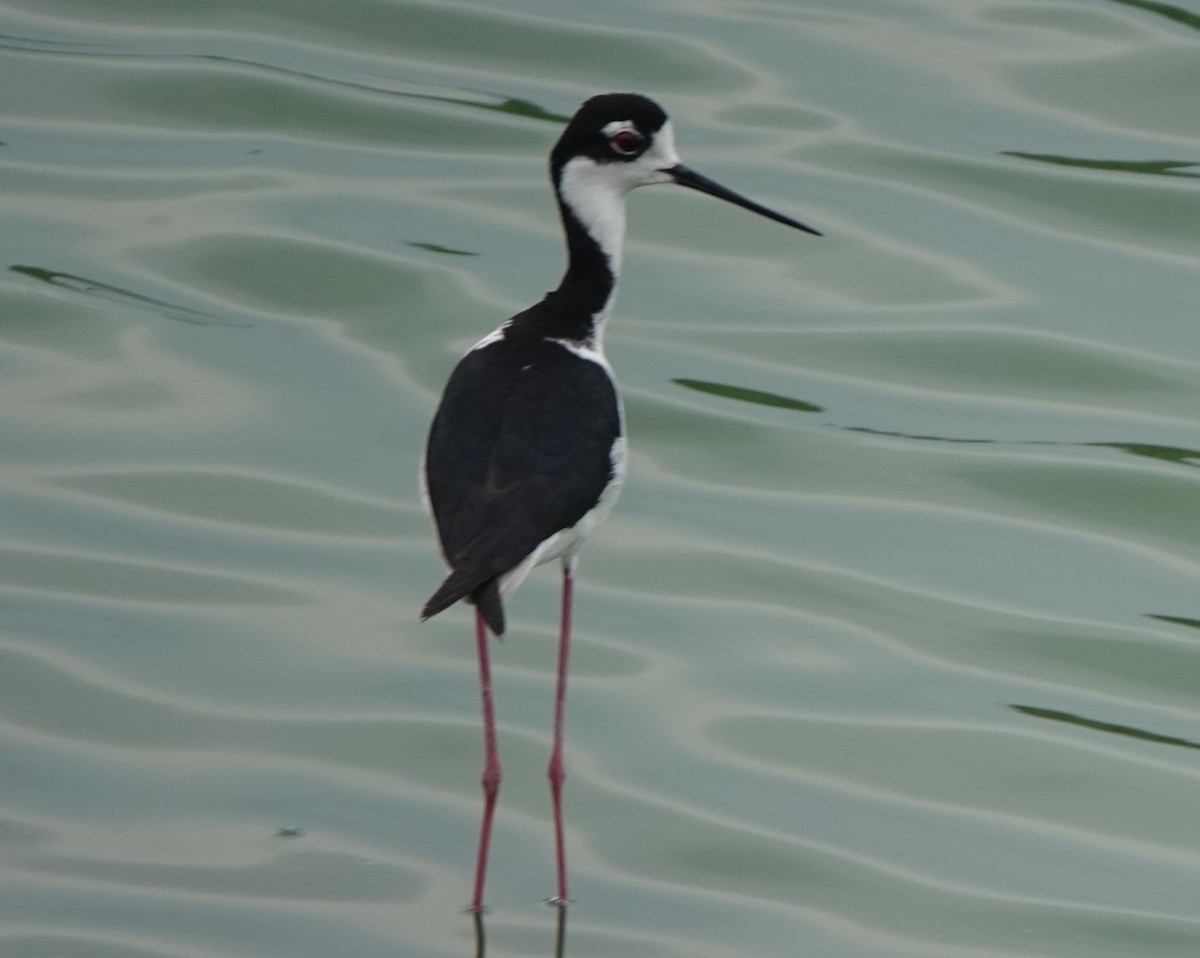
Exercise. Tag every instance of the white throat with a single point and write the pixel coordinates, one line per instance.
(597, 198)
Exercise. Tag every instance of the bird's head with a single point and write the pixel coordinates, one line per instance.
(617, 142)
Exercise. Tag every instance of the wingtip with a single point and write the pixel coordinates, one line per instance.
(486, 599)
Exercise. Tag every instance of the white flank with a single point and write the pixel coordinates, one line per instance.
(565, 543)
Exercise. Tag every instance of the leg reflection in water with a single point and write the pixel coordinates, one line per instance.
(560, 935)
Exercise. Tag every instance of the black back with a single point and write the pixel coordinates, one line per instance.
(519, 449)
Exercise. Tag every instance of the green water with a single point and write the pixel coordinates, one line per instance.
(891, 647)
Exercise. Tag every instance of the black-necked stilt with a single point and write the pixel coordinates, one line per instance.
(526, 453)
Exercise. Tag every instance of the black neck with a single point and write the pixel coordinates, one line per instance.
(589, 279)
(573, 310)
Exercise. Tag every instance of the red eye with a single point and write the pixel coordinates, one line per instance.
(627, 142)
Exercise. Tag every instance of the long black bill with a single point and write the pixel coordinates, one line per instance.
(685, 176)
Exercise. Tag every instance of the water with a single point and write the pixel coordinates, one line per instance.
(891, 646)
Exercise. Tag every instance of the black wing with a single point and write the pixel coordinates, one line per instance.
(520, 448)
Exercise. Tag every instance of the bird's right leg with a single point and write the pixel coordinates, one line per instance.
(556, 772)
(491, 767)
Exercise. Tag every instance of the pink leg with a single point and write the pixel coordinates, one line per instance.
(556, 773)
(491, 768)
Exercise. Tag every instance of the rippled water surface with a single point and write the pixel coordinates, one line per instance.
(891, 647)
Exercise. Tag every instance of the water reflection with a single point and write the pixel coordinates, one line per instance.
(1177, 455)
(1071, 719)
(560, 931)
(923, 437)
(438, 248)
(496, 104)
(1152, 167)
(93, 287)
(1175, 620)
(1170, 11)
(1174, 454)
(748, 395)
(560, 936)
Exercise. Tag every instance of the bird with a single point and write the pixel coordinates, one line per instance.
(526, 453)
